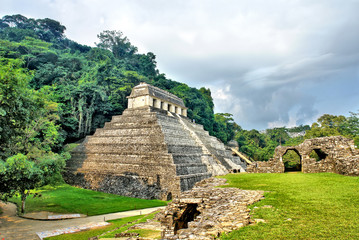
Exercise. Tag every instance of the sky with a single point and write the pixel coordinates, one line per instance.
(269, 63)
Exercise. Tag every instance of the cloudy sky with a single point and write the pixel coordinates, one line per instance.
(269, 63)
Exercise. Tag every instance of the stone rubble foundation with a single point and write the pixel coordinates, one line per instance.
(206, 211)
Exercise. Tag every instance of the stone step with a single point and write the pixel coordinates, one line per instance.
(185, 169)
(128, 159)
(176, 131)
(167, 118)
(124, 148)
(179, 140)
(135, 139)
(184, 158)
(202, 133)
(174, 126)
(175, 148)
(137, 111)
(193, 125)
(123, 167)
(188, 181)
(115, 126)
(133, 118)
(127, 131)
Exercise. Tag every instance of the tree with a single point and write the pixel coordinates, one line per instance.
(224, 126)
(19, 175)
(118, 44)
(16, 105)
(278, 135)
(327, 125)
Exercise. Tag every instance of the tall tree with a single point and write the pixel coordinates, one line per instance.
(118, 44)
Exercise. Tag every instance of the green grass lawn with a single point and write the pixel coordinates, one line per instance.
(67, 199)
(305, 206)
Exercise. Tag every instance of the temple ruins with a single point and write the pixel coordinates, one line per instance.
(150, 151)
(336, 154)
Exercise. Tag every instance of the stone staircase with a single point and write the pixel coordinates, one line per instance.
(185, 152)
(219, 159)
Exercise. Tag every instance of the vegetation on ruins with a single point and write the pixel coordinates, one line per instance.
(300, 206)
(67, 199)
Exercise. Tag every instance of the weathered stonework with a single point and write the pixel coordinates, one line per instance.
(270, 166)
(338, 154)
(148, 95)
(148, 152)
(205, 212)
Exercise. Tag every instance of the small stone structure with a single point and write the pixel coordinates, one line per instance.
(150, 151)
(147, 95)
(337, 154)
(207, 211)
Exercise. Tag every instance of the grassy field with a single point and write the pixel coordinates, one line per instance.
(304, 206)
(122, 224)
(68, 199)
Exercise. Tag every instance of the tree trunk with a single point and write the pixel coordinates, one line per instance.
(23, 199)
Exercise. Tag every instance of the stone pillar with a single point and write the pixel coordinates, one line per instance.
(179, 110)
(184, 112)
(157, 103)
(172, 108)
(130, 103)
(165, 106)
(149, 101)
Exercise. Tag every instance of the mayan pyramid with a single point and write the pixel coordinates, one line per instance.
(150, 151)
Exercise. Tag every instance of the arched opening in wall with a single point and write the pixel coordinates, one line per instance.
(292, 161)
(169, 196)
(318, 154)
(161, 105)
(188, 215)
(169, 107)
(154, 103)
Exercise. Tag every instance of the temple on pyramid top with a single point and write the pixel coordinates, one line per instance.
(147, 95)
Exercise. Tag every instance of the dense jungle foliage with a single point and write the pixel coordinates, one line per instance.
(55, 91)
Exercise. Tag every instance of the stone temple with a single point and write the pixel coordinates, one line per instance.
(150, 151)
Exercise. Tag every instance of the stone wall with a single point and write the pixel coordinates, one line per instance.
(205, 212)
(270, 166)
(338, 154)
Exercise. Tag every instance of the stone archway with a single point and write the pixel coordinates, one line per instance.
(318, 154)
(332, 154)
(292, 160)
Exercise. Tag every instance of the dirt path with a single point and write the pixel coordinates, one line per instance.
(13, 227)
